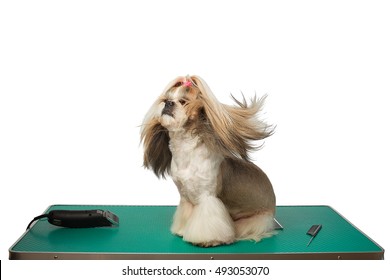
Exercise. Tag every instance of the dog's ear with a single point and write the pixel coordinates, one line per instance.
(157, 155)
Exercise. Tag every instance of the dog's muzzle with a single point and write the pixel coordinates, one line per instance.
(168, 108)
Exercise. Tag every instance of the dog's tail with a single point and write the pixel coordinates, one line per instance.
(256, 227)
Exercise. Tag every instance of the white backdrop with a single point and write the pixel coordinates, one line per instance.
(77, 78)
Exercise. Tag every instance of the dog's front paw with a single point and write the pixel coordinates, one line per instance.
(213, 243)
(177, 231)
(182, 214)
(209, 224)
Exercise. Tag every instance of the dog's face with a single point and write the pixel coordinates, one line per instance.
(179, 105)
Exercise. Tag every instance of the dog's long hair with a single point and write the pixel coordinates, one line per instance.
(224, 196)
(228, 130)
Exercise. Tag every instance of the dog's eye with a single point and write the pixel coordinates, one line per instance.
(178, 84)
(182, 101)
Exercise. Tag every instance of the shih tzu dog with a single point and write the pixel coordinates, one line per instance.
(203, 145)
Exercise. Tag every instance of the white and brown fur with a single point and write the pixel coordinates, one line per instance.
(203, 145)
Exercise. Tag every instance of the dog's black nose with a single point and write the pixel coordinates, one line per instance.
(169, 104)
(168, 108)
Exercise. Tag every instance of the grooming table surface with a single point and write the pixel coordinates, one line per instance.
(143, 233)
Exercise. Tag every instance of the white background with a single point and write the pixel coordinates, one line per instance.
(77, 77)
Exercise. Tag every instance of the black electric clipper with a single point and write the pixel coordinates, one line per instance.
(80, 218)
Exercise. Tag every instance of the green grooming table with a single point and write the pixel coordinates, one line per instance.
(143, 233)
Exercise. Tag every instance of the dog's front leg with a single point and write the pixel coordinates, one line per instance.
(209, 223)
(182, 214)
